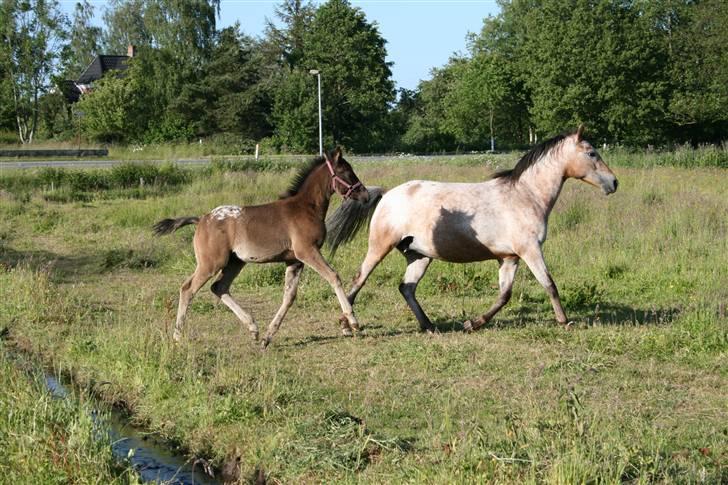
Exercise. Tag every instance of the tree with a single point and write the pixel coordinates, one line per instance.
(697, 34)
(125, 26)
(355, 76)
(482, 90)
(427, 129)
(32, 32)
(236, 99)
(294, 112)
(118, 109)
(84, 42)
(285, 44)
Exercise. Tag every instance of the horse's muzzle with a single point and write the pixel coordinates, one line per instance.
(609, 186)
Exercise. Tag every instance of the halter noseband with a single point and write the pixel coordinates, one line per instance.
(335, 178)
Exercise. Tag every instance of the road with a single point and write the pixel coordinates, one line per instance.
(99, 163)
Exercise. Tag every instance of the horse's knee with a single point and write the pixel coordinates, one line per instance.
(218, 289)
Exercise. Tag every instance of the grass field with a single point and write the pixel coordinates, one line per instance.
(634, 392)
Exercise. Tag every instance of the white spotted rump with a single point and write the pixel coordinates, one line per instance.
(225, 211)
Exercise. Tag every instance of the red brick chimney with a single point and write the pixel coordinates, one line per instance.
(131, 50)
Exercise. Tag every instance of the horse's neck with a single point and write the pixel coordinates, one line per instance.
(316, 191)
(544, 181)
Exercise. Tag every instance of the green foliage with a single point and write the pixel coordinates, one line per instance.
(294, 112)
(83, 43)
(356, 79)
(115, 110)
(31, 33)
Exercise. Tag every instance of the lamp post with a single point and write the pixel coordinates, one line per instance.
(317, 73)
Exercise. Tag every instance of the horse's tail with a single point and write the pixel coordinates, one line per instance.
(168, 226)
(345, 222)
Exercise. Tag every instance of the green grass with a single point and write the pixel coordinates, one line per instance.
(634, 392)
(45, 439)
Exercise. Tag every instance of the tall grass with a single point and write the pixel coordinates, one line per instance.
(45, 439)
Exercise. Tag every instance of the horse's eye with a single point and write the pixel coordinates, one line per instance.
(592, 154)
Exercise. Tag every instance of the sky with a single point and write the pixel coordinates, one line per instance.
(420, 34)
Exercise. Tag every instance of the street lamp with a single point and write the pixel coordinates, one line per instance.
(317, 73)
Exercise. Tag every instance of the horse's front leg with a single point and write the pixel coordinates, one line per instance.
(534, 259)
(312, 257)
(506, 275)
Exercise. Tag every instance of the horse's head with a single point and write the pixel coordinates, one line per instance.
(344, 180)
(584, 163)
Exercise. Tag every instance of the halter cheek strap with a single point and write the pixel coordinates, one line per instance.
(335, 178)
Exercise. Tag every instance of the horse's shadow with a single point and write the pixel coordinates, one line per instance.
(600, 314)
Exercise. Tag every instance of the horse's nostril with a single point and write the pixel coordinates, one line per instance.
(616, 183)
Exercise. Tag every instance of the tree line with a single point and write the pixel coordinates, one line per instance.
(636, 72)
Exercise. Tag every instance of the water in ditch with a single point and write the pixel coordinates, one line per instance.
(152, 461)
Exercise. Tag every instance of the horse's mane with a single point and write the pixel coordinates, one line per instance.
(531, 157)
(298, 180)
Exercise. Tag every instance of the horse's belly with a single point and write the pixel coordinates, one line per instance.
(261, 255)
(452, 248)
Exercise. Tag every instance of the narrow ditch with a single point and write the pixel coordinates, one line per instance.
(152, 460)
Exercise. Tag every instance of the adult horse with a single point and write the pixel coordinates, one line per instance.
(504, 218)
(290, 230)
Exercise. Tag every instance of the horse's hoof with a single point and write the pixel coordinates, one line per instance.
(468, 326)
(264, 343)
(254, 336)
(347, 332)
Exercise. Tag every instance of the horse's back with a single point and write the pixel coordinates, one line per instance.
(456, 222)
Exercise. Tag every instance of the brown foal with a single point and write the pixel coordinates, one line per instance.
(290, 230)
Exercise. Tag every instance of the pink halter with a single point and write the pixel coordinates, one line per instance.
(335, 178)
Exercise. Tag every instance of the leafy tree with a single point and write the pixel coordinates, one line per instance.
(294, 111)
(285, 44)
(84, 41)
(125, 25)
(235, 78)
(355, 76)
(482, 91)
(427, 128)
(31, 34)
(697, 36)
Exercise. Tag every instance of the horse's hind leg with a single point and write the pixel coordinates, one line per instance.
(506, 275)
(416, 266)
(221, 288)
(191, 286)
(293, 276)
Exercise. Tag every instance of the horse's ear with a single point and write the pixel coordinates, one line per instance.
(336, 154)
(580, 132)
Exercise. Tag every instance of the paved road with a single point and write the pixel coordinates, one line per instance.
(20, 164)
(88, 163)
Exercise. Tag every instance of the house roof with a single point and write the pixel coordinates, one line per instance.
(100, 66)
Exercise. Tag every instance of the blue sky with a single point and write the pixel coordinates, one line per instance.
(420, 34)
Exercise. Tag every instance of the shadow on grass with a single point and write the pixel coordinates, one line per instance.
(520, 317)
(601, 313)
(69, 269)
(62, 268)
